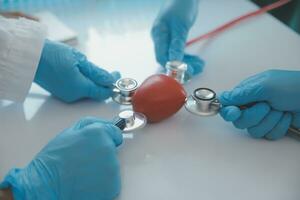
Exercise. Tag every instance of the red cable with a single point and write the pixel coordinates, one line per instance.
(238, 20)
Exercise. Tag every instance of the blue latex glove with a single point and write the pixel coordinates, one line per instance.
(170, 31)
(79, 163)
(68, 75)
(276, 98)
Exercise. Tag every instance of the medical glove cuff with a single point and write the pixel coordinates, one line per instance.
(14, 181)
(32, 182)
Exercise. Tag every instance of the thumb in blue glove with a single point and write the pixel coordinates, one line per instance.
(79, 163)
(170, 31)
(275, 104)
(68, 75)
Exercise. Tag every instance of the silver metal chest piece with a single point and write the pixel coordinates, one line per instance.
(131, 120)
(178, 71)
(203, 102)
(124, 90)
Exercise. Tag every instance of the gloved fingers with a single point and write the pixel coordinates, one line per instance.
(281, 129)
(178, 41)
(195, 64)
(87, 121)
(97, 75)
(80, 57)
(115, 133)
(296, 120)
(161, 38)
(111, 130)
(242, 95)
(266, 125)
(109, 127)
(252, 116)
(250, 80)
(98, 93)
(230, 113)
(116, 75)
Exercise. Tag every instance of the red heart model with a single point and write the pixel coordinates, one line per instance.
(158, 98)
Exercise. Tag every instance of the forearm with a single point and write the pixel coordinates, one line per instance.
(21, 46)
(6, 194)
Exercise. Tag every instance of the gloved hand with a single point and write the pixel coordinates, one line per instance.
(68, 75)
(170, 31)
(276, 98)
(79, 163)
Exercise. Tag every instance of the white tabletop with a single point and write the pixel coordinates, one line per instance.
(184, 157)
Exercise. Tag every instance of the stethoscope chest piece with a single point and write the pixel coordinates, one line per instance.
(178, 71)
(124, 90)
(132, 120)
(203, 102)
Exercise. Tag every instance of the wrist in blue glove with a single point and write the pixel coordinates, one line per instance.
(68, 75)
(79, 163)
(276, 98)
(170, 31)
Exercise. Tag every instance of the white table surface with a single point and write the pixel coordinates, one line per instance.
(184, 157)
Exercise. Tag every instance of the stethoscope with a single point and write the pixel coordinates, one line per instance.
(127, 120)
(202, 102)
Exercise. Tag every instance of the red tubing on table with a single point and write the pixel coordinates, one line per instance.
(238, 20)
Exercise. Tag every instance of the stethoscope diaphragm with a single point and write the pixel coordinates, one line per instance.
(123, 90)
(203, 102)
(129, 121)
